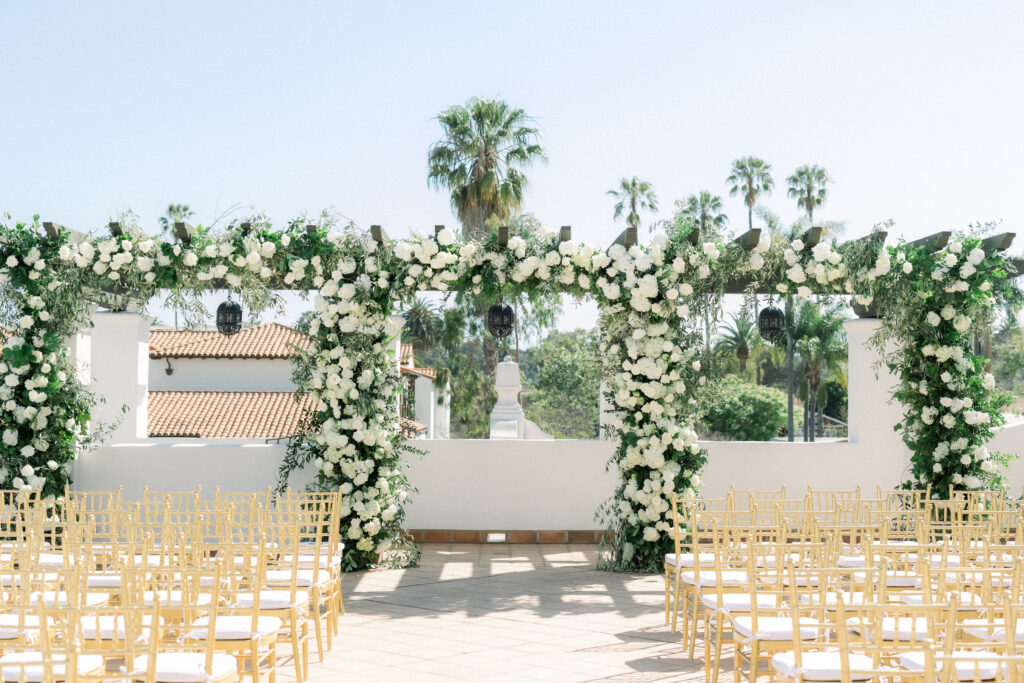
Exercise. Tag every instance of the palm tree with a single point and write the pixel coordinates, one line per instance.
(176, 213)
(821, 345)
(634, 194)
(736, 338)
(750, 177)
(480, 160)
(704, 210)
(807, 186)
(424, 326)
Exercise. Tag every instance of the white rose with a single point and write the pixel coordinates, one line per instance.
(908, 267)
(933, 319)
(445, 237)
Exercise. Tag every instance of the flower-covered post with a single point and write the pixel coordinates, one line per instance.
(950, 402)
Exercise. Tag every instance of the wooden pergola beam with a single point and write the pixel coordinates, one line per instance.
(184, 232)
(378, 234)
(748, 240)
(626, 238)
(812, 237)
(503, 236)
(565, 233)
(53, 232)
(1000, 242)
(438, 229)
(935, 242)
(116, 229)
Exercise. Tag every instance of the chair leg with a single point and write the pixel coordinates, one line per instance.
(666, 598)
(736, 663)
(296, 650)
(718, 648)
(254, 661)
(314, 609)
(693, 623)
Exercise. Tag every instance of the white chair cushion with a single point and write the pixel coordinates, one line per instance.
(738, 602)
(914, 661)
(9, 626)
(236, 628)
(303, 578)
(898, 628)
(105, 624)
(895, 579)
(729, 578)
(272, 599)
(982, 629)
(34, 673)
(103, 581)
(686, 559)
(774, 628)
(832, 599)
(187, 667)
(172, 598)
(52, 559)
(61, 598)
(967, 600)
(820, 666)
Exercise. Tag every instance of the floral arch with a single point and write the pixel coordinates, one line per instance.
(931, 295)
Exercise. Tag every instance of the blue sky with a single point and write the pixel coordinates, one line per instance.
(915, 108)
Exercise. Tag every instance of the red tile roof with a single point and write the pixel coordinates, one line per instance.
(226, 414)
(233, 414)
(269, 340)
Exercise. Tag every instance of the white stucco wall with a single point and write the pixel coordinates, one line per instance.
(237, 374)
(119, 371)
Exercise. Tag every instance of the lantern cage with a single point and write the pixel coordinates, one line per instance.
(771, 323)
(500, 319)
(229, 317)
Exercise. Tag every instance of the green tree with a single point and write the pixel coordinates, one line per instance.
(176, 213)
(808, 186)
(750, 177)
(486, 144)
(744, 411)
(634, 195)
(423, 327)
(563, 376)
(821, 344)
(704, 210)
(736, 338)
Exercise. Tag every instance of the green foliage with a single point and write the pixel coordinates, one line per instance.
(486, 144)
(634, 195)
(745, 412)
(808, 186)
(563, 377)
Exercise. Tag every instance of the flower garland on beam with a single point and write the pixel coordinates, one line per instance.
(649, 298)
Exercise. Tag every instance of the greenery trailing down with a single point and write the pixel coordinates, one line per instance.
(745, 412)
(951, 403)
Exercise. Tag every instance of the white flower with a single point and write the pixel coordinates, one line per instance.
(975, 256)
(967, 270)
(711, 251)
(26, 322)
(985, 286)
(651, 534)
(190, 259)
(949, 261)
(445, 237)
(936, 468)
(947, 312)
(797, 245)
(908, 267)
(27, 471)
(268, 249)
(962, 323)
(12, 261)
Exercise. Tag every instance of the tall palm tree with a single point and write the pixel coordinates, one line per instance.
(480, 160)
(736, 338)
(750, 177)
(807, 186)
(424, 326)
(176, 213)
(704, 210)
(821, 345)
(633, 195)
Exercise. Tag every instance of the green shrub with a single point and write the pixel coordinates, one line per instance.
(745, 412)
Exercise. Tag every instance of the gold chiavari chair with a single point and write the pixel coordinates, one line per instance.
(679, 561)
(54, 656)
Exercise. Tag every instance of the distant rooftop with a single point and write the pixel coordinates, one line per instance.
(265, 341)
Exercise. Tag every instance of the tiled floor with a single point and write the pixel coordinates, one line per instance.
(504, 612)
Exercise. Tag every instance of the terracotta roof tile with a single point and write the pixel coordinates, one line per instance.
(226, 414)
(269, 340)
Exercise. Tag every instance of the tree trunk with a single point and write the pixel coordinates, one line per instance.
(812, 410)
(789, 367)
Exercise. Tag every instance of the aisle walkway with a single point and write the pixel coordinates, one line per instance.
(504, 613)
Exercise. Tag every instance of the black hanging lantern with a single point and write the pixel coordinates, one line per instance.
(771, 323)
(229, 317)
(500, 319)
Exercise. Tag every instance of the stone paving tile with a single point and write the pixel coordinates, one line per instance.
(504, 613)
